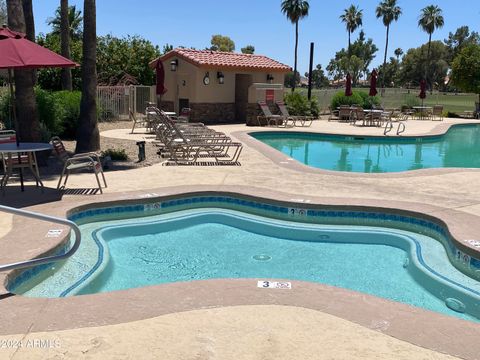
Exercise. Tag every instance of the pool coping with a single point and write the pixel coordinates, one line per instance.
(283, 160)
(434, 331)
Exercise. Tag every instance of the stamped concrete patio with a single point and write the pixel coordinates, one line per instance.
(243, 328)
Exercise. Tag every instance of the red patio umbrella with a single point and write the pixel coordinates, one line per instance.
(373, 83)
(17, 52)
(348, 86)
(423, 89)
(160, 70)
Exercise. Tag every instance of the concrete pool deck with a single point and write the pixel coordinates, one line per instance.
(445, 193)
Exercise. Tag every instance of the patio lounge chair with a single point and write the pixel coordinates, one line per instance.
(138, 121)
(437, 113)
(345, 113)
(185, 145)
(89, 161)
(333, 114)
(271, 119)
(300, 121)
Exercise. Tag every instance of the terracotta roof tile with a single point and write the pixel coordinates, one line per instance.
(225, 60)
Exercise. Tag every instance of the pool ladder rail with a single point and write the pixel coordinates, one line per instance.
(48, 259)
(389, 127)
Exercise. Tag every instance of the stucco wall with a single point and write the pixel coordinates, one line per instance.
(187, 82)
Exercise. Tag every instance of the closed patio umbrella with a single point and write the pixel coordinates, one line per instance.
(348, 86)
(373, 83)
(17, 52)
(423, 90)
(160, 72)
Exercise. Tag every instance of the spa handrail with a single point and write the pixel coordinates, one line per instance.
(48, 259)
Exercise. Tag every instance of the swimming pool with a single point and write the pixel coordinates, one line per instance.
(459, 147)
(213, 237)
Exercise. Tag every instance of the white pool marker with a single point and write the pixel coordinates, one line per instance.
(296, 212)
(474, 243)
(54, 233)
(265, 284)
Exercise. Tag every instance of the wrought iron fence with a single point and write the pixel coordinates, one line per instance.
(114, 102)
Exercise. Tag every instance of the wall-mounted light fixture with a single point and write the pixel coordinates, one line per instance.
(174, 65)
(270, 77)
(220, 77)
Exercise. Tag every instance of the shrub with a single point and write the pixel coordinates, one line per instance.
(411, 101)
(58, 112)
(340, 99)
(115, 154)
(68, 103)
(299, 105)
(358, 98)
(450, 114)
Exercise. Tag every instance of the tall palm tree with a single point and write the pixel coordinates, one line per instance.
(431, 18)
(398, 52)
(75, 20)
(65, 44)
(26, 106)
(88, 137)
(352, 17)
(389, 11)
(295, 10)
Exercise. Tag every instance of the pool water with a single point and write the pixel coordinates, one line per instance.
(216, 243)
(459, 147)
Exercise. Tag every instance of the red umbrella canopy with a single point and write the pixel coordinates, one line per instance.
(348, 87)
(423, 89)
(161, 89)
(17, 52)
(373, 83)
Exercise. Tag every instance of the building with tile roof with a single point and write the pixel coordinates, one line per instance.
(219, 87)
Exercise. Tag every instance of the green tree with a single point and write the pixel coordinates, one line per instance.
(75, 20)
(3, 12)
(295, 10)
(352, 18)
(222, 43)
(364, 49)
(50, 78)
(389, 11)
(391, 71)
(319, 79)
(466, 69)
(249, 49)
(289, 79)
(414, 62)
(458, 40)
(88, 136)
(130, 55)
(65, 44)
(398, 52)
(431, 18)
(166, 48)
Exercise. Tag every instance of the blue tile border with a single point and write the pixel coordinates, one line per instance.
(320, 215)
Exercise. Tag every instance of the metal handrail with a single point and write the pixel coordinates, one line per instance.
(48, 259)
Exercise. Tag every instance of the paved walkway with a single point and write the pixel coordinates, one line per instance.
(254, 332)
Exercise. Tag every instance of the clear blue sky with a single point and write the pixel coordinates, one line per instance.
(261, 24)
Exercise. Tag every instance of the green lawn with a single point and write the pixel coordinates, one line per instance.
(395, 98)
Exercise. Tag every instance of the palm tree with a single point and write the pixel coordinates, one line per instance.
(26, 106)
(295, 10)
(88, 137)
(398, 52)
(74, 22)
(352, 17)
(430, 19)
(389, 11)
(65, 44)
